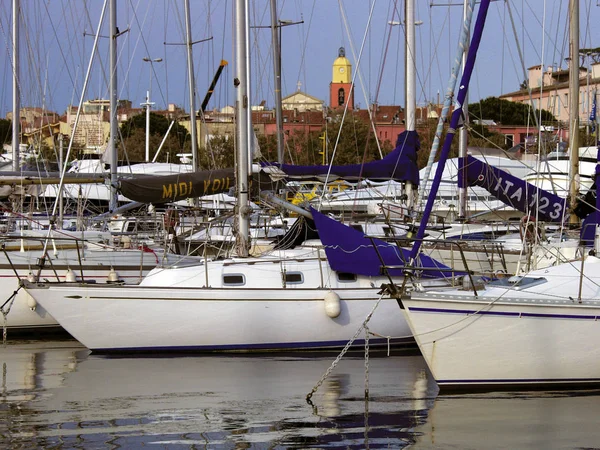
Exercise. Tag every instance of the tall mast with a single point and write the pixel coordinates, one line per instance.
(462, 134)
(192, 86)
(411, 68)
(112, 149)
(573, 108)
(16, 103)
(277, 68)
(243, 130)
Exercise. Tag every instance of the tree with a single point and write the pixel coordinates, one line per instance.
(507, 113)
(133, 132)
(219, 153)
(5, 131)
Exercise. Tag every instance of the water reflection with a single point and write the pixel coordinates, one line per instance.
(57, 395)
(513, 420)
(77, 400)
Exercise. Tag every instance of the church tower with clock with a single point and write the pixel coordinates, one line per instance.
(340, 89)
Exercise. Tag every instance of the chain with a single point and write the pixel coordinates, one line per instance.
(9, 302)
(340, 356)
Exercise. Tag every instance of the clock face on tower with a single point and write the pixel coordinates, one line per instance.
(342, 70)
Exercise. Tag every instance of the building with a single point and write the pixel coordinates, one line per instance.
(550, 91)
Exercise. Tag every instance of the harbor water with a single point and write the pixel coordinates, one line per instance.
(55, 394)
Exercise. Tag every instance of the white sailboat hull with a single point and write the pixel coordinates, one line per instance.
(130, 318)
(540, 336)
(23, 313)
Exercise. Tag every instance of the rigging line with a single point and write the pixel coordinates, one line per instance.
(384, 52)
(64, 59)
(122, 51)
(145, 44)
(358, 72)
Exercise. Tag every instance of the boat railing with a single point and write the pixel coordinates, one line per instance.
(413, 270)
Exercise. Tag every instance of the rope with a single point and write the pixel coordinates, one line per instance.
(341, 355)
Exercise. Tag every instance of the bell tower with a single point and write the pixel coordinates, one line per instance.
(340, 88)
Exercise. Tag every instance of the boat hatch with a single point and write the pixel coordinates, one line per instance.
(519, 282)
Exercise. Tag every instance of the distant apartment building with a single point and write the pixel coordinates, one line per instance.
(550, 91)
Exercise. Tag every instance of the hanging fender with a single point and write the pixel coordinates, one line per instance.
(333, 306)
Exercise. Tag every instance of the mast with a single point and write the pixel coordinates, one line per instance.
(573, 108)
(411, 101)
(462, 136)
(449, 96)
(16, 103)
(192, 86)
(454, 123)
(243, 130)
(277, 68)
(112, 150)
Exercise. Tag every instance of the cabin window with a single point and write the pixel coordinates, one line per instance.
(293, 278)
(345, 277)
(341, 96)
(234, 279)
(357, 227)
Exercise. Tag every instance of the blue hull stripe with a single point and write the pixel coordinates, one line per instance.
(325, 345)
(505, 313)
(522, 381)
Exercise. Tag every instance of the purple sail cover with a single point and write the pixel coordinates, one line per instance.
(348, 250)
(513, 191)
(399, 165)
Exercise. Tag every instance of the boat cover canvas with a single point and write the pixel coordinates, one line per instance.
(399, 165)
(512, 190)
(348, 250)
(171, 188)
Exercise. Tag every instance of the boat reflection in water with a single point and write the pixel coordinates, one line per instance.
(55, 394)
(76, 399)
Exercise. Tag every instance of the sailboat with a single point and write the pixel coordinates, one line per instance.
(90, 256)
(536, 331)
(294, 299)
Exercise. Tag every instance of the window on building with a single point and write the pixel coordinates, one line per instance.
(509, 140)
(341, 97)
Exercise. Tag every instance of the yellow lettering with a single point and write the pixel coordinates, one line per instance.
(216, 185)
(167, 190)
(183, 189)
(206, 186)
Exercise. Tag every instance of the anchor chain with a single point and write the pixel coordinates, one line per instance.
(4, 312)
(341, 355)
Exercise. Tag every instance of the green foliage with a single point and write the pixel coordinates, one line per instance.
(219, 153)
(5, 131)
(133, 132)
(507, 113)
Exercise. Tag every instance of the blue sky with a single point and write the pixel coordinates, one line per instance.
(57, 38)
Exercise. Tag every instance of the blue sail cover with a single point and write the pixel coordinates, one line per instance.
(399, 165)
(512, 190)
(348, 250)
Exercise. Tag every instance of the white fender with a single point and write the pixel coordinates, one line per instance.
(113, 277)
(333, 307)
(70, 277)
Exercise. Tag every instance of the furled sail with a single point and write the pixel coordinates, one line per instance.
(399, 165)
(171, 188)
(348, 250)
(512, 190)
